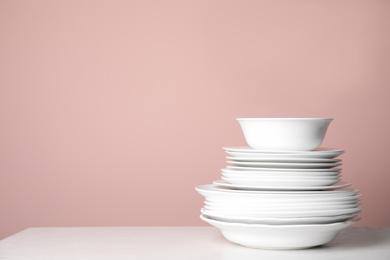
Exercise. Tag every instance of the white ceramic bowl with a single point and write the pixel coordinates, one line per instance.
(278, 236)
(287, 134)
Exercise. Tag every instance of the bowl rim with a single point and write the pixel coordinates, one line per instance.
(282, 119)
(236, 224)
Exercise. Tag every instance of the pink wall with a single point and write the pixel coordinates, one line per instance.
(113, 111)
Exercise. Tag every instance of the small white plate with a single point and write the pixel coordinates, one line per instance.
(278, 188)
(284, 172)
(257, 169)
(276, 174)
(282, 155)
(284, 160)
(319, 151)
(286, 165)
(283, 182)
(278, 236)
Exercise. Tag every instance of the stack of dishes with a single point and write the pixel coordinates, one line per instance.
(281, 196)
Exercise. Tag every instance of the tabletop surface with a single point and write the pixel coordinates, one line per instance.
(178, 243)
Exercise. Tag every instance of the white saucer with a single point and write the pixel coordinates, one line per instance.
(318, 152)
(278, 188)
(284, 160)
(286, 165)
(257, 169)
(284, 182)
(278, 174)
(324, 155)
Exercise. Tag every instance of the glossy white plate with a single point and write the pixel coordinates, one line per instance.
(258, 169)
(250, 174)
(281, 203)
(278, 236)
(319, 151)
(209, 189)
(277, 208)
(279, 188)
(283, 160)
(283, 182)
(220, 194)
(281, 213)
(264, 155)
(286, 165)
(284, 221)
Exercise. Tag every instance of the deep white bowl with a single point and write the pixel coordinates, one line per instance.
(278, 236)
(287, 134)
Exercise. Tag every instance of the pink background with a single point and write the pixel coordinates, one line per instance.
(113, 111)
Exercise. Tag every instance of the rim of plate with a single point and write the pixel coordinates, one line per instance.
(251, 150)
(354, 220)
(281, 159)
(259, 169)
(335, 164)
(217, 189)
(226, 184)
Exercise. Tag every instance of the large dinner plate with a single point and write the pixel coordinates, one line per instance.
(286, 165)
(283, 160)
(278, 188)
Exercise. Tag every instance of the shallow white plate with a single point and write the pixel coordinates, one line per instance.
(243, 209)
(209, 189)
(281, 203)
(324, 155)
(260, 187)
(286, 165)
(319, 151)
(261, 173)
(284, 160)
(258, 169)
(278, 236)
(284, 221)
(281, 213)
(284, 182)
(220, 194)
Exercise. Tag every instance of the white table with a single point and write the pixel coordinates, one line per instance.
(178, 243)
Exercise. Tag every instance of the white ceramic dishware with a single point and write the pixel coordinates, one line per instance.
(280, 188)
(280, 204)
(278, 236)
(265, 173)
(317, 153)
(283, 160)
(291, 134)
(264, 208)
(282, 213)
(283, 221)
(216, 192)
(278, 174)
(285, 165)
(246, 168)
(283, 182)
(265, 155)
